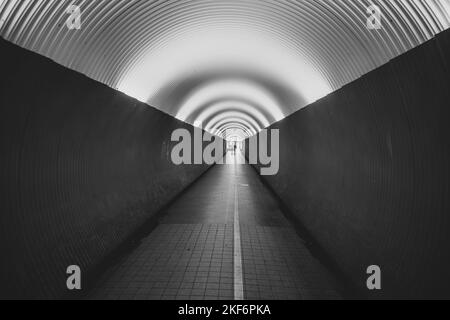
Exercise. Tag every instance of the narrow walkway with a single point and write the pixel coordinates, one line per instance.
(225, 238)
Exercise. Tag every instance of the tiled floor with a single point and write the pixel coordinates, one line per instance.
(277, 266)
(191, 253)
(177, 261)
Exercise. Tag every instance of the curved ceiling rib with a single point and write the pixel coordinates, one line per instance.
(200, 59)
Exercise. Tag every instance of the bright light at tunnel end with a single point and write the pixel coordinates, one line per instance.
(219, 69)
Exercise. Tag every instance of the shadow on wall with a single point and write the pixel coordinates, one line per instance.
(82, 166)
(366, 171)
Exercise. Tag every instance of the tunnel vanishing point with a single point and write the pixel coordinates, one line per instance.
(94, 207)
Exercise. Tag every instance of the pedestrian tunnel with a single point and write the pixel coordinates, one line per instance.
(350, 98)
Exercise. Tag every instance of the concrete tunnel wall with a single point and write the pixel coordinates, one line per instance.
(82, 166)
(366, 171)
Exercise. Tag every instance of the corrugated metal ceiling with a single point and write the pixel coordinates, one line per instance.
(119, 40)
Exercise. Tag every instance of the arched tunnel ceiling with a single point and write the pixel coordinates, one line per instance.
(224, 61)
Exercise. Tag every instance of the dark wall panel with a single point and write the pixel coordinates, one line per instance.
(366, 171)
(82, 166)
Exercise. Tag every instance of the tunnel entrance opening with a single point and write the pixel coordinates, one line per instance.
(191, 150)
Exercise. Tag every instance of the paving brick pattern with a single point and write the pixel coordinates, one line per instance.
(277, 266)
(189, 255)
(175, 262)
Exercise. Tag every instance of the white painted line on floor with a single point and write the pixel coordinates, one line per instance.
(238, 279)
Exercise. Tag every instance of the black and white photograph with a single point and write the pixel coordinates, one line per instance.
(219, 158)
